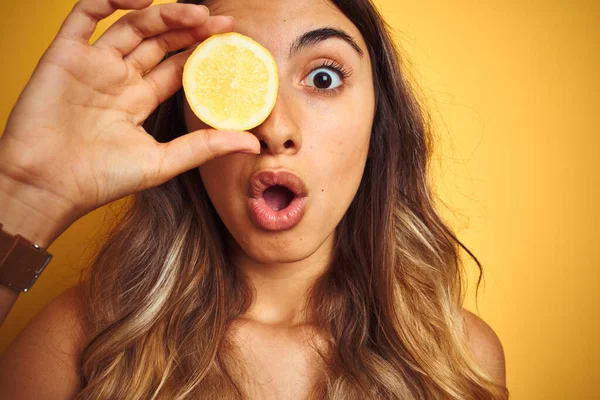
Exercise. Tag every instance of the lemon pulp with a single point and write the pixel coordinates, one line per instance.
(230, 82)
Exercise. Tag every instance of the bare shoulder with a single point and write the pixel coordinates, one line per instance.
(43, 361)
(486, 345)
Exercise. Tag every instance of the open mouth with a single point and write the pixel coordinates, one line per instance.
(277, 200)
(278, 197)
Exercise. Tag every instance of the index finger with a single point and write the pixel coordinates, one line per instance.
(83, 19)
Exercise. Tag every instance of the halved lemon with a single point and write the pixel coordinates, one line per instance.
(231, 82)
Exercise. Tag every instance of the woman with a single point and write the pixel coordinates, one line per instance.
(193, 297)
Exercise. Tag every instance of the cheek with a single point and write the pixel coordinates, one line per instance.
(221, 180)
(345, 165)
(338, 142)
(340, 133)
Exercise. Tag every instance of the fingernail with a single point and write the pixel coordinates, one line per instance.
(250, 151)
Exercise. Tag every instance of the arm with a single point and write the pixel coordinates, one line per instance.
(19, 205)
(43, 361)
(8, 297)
(63, 156)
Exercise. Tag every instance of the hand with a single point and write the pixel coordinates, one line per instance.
(75, 131)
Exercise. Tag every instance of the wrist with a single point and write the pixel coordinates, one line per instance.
(31, 213)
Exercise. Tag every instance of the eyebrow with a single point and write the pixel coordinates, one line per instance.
(316, 36)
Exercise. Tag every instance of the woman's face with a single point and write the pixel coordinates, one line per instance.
(320, 136)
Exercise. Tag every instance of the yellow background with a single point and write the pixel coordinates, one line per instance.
(513, 90)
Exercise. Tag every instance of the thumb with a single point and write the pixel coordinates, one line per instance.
(195, 148)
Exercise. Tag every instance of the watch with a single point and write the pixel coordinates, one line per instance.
(21, 262)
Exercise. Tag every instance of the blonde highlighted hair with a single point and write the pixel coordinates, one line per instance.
(161, 294)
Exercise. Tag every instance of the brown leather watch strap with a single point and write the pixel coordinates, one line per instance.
(21, 262)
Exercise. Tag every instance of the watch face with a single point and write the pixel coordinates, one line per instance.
(22, 261)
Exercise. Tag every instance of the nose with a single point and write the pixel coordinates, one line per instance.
(279, 133)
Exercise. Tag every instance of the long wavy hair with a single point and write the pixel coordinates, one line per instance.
(161, 294)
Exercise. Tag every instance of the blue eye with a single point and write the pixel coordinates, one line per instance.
(323, 79)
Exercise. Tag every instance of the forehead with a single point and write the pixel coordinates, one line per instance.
(276, 23)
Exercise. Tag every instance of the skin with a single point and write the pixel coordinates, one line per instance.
(330, 138)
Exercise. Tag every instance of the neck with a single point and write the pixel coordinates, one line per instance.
(282, 287)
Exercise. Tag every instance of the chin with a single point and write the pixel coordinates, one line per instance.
(278, 247)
